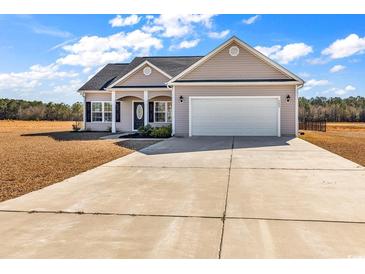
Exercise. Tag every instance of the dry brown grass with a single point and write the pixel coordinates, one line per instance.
(345, 139)
(36, 154)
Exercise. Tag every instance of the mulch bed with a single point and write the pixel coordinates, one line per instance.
(139, 136)
(35, 154)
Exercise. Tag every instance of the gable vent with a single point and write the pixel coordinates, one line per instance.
(234, 51)
(147, 71)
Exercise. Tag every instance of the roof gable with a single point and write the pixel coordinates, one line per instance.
(137, 77)
(248, 64)
(170, 65)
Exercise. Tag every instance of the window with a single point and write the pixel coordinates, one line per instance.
(97, 111)
(163, 112)
(107, 112)
(101, 111)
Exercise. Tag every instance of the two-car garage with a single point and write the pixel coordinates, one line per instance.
(234, 116)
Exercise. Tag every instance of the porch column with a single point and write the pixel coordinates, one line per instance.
(84, 112)
(113, 113)
(146, 111)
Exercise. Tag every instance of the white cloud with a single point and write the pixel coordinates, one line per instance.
(93, 51)
(218, 35)
(342, 91)
(348, 46)
(32, 78)
(152, 29)
(287, 53)
(251, 20)
(318, 61)
(174, 26)
(186, 44)
(71, 86)
(337, 68)
(268, 51)
(304, 74)
(119, 21)
(350, 88)
(315, 83)
(40, 29)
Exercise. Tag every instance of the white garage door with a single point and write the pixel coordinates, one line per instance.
(234, 116)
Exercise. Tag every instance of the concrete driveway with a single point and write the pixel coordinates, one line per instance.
(220, 197)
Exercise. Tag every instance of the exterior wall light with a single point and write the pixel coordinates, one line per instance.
(181, 99)
(288, 98)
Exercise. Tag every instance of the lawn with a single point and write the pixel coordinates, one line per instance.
(345, 139)
(35, 154)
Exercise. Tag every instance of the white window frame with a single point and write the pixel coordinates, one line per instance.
(102, 111)
(166, 109)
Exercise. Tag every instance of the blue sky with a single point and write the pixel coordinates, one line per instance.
(48, 57)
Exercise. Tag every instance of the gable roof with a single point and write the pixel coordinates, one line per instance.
(245, 46)
(111, 73)
(171, 65)
(130, 73)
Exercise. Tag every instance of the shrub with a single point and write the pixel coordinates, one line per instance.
(145, 130)
(161, 132)
(76, 126)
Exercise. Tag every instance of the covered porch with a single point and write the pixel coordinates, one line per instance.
(133, 108)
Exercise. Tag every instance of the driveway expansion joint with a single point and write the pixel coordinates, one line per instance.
(319, 169)
(106, 214)
(295, 220)
(172, 167)
(226, 200)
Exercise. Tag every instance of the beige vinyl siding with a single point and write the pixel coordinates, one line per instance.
(224, 66)
(156, 93)
(100, 96)
(287, 120)
(98, 126)
(139, 79)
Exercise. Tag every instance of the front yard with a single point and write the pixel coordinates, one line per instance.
(35, 154)
(344, 139)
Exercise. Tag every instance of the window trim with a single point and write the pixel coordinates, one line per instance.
(102, 111)
(165, 111)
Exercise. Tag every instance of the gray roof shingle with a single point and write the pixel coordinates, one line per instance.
(111, 73)
(104, 77)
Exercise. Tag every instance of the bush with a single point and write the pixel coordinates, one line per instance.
(145, 130)
(76, 126)
(161, 132)
(155, 132)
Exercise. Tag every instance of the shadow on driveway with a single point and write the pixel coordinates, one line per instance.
(200, 144)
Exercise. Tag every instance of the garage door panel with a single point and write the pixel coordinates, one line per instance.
(234, 116)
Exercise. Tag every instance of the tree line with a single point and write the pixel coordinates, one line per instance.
(36, 110)
(335, 109)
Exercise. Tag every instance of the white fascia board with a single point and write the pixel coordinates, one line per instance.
(284, 83)
(83, 92)
(139, 89)
(136, 69)
(244, 45)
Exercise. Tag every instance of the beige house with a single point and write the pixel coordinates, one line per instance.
(232, 91)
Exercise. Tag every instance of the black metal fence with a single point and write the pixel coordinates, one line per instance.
(316, 125)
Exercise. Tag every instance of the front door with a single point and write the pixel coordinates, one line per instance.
(138, 115)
